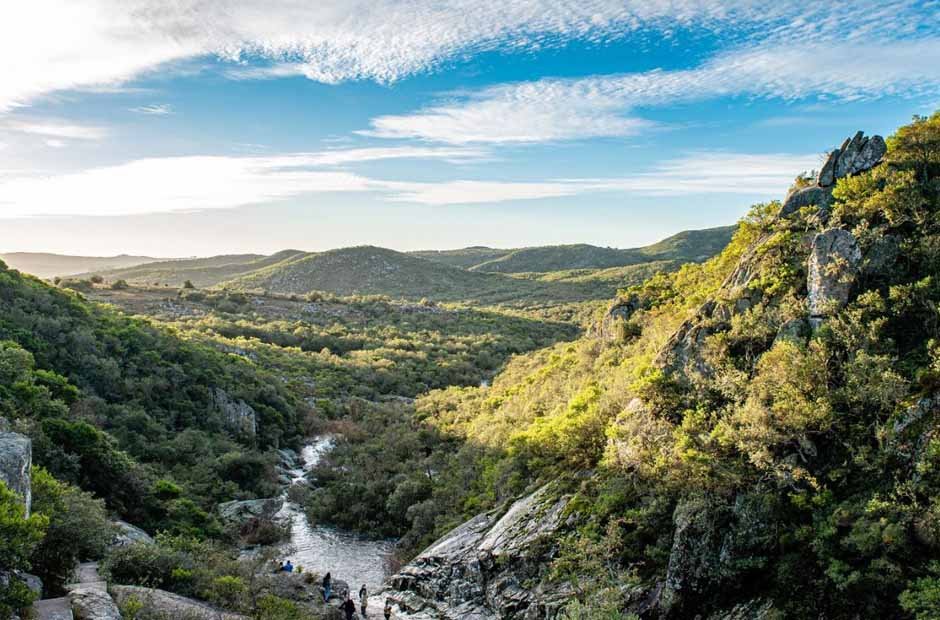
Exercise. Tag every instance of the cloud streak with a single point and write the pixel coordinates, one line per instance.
(218, 182)
(609, 106)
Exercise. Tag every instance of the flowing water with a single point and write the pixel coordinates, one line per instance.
(319, 549)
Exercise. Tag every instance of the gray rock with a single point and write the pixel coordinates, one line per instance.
(833, 266)
(237, 415)
(619, 312)
(127, 534)
(240, 512)
(820, 197)
(16, 458)
(827, 174)
(483, 569)
(91, 603)
(171, 605)
(758, 609)
(796, 331)
(32, 582)
(859, 154)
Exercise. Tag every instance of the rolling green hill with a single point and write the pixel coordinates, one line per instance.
(201, 272)
(45, 265)
(687, 246)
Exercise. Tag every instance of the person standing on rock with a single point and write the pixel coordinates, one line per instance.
(348, 607)
(363, 600)
(327, 587)
(388, 609)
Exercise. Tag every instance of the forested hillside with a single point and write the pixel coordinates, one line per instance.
(762, 424)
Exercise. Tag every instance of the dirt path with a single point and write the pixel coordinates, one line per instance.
(59, 608)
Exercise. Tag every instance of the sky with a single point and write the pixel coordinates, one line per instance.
(202, 127)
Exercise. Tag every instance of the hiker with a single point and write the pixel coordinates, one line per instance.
(363, 599)
(327, 587)
(288, 567)
(280, 568)
(348, 607)
(388, 609)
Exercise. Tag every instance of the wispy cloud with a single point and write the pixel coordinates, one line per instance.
(553, 109)
(217, 182)
(156, 109)
(54, 128)
(60, 45)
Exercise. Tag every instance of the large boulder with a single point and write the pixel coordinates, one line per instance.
(240, 512)
(238, 416)
(126, 534)
(813, 195)
(93, 603)
(16, 458)
(833, 266)
(168, 605)
(484, 568)
(617, 314)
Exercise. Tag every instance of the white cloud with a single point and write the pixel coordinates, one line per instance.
(55, 143)
(208, 182)
(201, 182)
(763, 176)
(553, 109)
(55, 128)
(155, 109)
(62, 44)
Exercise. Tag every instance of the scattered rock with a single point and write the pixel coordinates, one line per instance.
(91, 603)
(127, 534)
(240, 512)
(833, 266)
(16, 458)
(237, 415)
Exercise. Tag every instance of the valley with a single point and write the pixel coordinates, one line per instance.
(697, 429)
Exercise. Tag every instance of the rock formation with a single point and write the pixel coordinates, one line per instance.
(93, 603)
(240, 512)
(127, 534)
(237, 415)
(857, 154)
(831, 270)
(16, 457)
(168, 605)
(479, 570)
(618, 313)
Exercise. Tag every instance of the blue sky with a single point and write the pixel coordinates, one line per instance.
(212, 127)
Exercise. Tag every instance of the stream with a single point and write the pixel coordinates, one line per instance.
(319, 549)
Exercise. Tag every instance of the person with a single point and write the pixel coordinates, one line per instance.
(288, 567)
(280, 567)
(363, 599)
(348, 607)
(327, 587)
(388, 609)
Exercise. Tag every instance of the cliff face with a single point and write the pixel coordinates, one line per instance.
(15, 462)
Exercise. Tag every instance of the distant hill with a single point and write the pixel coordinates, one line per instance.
(524, 277)
(691, 245)
(369, 270)
(44, 265)
(202, 272)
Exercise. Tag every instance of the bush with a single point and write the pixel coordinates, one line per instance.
(19, 535)
(78, 528)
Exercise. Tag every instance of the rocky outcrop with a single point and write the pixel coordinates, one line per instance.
(857, 154)
(617, 314)
(831, 271)
(481, 569)
(238, 416)
(126, 534)
(714, 541)
(93, 603)
(169, 605)
(16, 458)
(240, 512)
